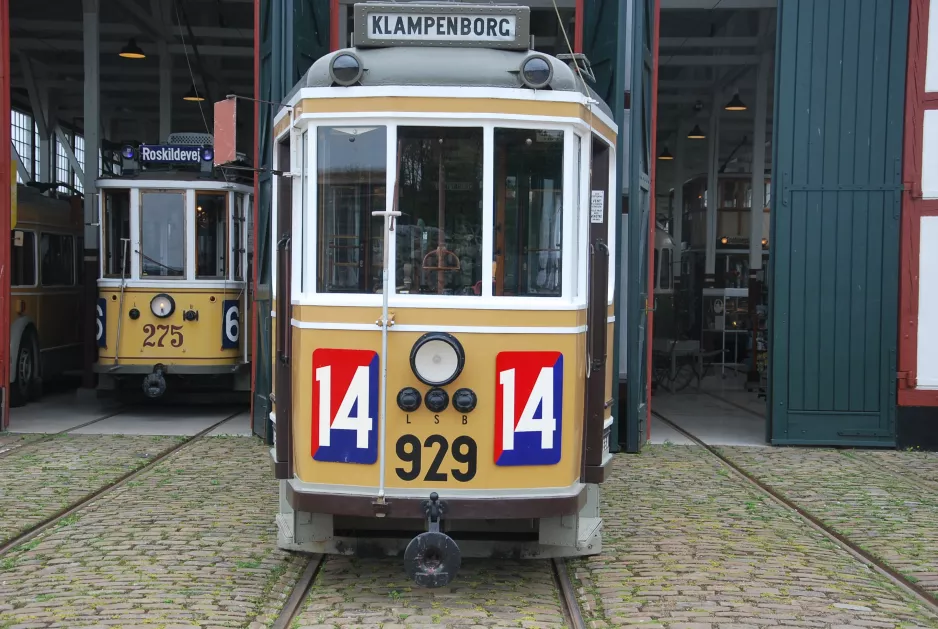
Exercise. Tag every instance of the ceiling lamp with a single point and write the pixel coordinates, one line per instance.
(696, 133)
(665, 154)
(132, 50)
(193, 95)
(735, 103)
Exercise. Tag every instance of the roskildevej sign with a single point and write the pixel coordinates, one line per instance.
(165, 153)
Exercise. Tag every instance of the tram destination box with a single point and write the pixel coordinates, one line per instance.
(379, 24)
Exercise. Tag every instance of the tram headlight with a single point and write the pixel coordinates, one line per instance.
(162, 305)
(345, 69)
(437, 358)
(536, 72)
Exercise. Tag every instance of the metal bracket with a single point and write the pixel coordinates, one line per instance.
(434, 508)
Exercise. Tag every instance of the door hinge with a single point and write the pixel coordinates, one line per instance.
(905, 380)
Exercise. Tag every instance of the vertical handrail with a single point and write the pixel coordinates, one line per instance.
(120, 307)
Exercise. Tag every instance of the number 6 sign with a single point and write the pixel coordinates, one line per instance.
(231, 324)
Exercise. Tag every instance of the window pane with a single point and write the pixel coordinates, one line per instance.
(666, 269)
(56, 260)
(304, 208)
(116, 226)
(163, 234)
(351, 182)
(439, 233)
(23, 260)
(528, 212)
(211, 234)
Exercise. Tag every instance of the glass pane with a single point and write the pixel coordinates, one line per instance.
(56, 260)
(666, 269)
(439, 233)
(211, 234)
(117, 226)
(351, 170)
(528, 212)
(23, 260)
(304, 208)
(163, 234)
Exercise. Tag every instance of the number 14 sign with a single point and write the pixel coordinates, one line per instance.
(345, 406)
(528, 408)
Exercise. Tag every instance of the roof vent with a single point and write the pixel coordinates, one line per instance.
(191, 139)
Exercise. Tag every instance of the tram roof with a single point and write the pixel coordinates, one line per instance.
(445, 67)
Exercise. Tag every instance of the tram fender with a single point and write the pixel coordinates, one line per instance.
(17, 334)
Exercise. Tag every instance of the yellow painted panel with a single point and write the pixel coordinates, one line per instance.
(55, 312)
(494, 106)
(479, 375)
(179, 341)
(610, 367)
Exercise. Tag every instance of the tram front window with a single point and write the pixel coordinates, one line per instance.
(351, 182)
(117, 228)
(439, 233)
(528, 212)
(163, 234)
(211, 234)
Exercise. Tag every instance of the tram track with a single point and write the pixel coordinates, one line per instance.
(46, 437)
(840, 540)
(51, 520)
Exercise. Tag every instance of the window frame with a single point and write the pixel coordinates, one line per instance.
(188, 197)
(575, 228)
(63, 234)
(35, 234)
(226, 195)
(106, 226)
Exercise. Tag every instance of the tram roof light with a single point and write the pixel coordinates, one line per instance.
(346, 69)
(127, 152)
(536, 71)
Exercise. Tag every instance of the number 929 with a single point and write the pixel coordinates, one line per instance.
(465, 453)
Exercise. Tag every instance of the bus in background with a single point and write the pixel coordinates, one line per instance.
(45, 291)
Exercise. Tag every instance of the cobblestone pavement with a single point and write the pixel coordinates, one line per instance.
(41, 480)
(10, 441)
(892, 517)
(688, 545)
(368, 594)
(190, 542)
(916, 466)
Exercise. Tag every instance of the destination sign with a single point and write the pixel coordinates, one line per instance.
(456, 25)
(163, 153)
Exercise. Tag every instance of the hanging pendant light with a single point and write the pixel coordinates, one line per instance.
(132, 50)
(665, 154)
(735, 103)
(696, 133)
(193, 95)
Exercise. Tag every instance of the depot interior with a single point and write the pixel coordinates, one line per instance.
(161, 65)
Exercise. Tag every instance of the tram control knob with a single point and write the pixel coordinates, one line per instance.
(437, 400)
(409, 399)
(464, 400)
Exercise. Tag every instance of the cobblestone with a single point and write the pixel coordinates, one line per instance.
(10, 441)
(376, 593)
(41, 480)
(190, 542)
(687, 544)
(913, 465)
(892, 517)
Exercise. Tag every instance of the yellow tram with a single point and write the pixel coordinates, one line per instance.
(173, 290)
(443, 303)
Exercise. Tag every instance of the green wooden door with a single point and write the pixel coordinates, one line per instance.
(641, 183)
(839, 97)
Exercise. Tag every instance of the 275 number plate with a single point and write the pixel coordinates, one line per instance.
(464, 452)
(152, 340)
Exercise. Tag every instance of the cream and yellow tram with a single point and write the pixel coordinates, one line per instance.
(443, 303)
(173, 289)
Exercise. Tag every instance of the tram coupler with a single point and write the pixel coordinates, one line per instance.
(432, 559)
(154, 384)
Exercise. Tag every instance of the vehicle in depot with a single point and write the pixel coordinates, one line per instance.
(443, 299)
(46, 294)
(173, 292)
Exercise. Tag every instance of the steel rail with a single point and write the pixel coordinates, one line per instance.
(298, 594)
(48, 436)
(568, 599)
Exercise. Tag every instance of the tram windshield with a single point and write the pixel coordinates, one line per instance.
(439, 235)
(162, 233)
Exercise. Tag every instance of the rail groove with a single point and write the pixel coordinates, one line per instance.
(106, 489)
(840, 540)
(52, 435)
(298, 594)
(568, 599)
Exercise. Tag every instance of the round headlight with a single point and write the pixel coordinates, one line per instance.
(345, 68)
(162, 305)
(536, 71)
(437, 358)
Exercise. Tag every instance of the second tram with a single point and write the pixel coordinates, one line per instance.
(443, 303)
(173, 295)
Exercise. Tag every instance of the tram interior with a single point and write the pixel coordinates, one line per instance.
(710, 339)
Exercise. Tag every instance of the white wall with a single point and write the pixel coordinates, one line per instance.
(928, 305)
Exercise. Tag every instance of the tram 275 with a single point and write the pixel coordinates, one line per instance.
(443, 301)
(173, 291)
